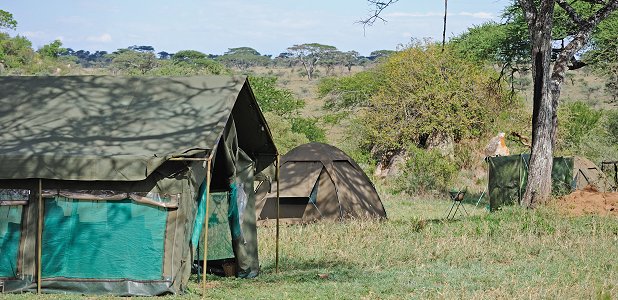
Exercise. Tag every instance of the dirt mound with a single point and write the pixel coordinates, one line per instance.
(588, 201)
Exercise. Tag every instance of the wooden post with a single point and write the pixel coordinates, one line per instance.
(205, 258)
(39, 244)
(277, 234)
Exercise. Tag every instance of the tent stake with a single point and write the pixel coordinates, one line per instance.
(277, 234)
(205, 257)
(39, 238)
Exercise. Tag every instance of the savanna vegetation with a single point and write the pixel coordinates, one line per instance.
(417, 120)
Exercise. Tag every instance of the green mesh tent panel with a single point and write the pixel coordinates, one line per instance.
(508, 177)
(10, 229)
(103, 239)
(219, 237)
(198, 223)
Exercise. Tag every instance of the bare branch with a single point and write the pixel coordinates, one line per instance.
(602, 13)
(379, 6)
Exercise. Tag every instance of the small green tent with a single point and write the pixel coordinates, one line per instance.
(319, 182)
(106, 177)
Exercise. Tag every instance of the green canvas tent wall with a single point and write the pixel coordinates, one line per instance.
(508, 177)
(319, 181)
(117, 168)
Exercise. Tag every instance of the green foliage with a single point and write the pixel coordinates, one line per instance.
(16, 52)
(504, 44)
(612, 126)
(426, 91)
(283, 108)
(379, 54)
(576, 119)
(350, 91)
(192, 62)
(587, 132)
(133, 62)
(425, 171)
(6, 20)
(309, 55)
(281, 128)
(482, 42)
(281, 102)
(243, 58)
(309, 128)
(53, 49)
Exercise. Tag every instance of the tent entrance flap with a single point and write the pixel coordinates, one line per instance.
(219, 236)
(290, 207)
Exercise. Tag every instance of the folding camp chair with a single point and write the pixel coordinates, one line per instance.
(457, 198)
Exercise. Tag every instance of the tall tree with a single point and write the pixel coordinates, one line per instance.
(133, 62)
(243, 58)
(53, 49)
(548, 81)
(310, 55)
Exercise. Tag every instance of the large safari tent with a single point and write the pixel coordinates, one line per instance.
(104, 180)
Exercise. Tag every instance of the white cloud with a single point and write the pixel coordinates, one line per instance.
(103, 38)
(477, 15)
(33, 34)
(413, 15)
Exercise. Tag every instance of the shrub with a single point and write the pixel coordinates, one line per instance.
(281, 102)
(309, 128)
(425, 171)
(577, 120)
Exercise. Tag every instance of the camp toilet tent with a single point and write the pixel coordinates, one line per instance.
(585, 173)
(113, 172)
(508, 177)
(319, 181)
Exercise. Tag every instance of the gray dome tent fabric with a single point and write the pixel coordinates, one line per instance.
(317, 182)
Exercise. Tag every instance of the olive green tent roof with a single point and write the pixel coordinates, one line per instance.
(115, 128)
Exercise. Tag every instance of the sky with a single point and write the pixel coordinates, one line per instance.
(212, 27)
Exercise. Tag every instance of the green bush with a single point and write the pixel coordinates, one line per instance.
(309, 128)
(271, 98)
(283, 135)
(577, 119)
(612, 126)
(425, 171)
(349, 91)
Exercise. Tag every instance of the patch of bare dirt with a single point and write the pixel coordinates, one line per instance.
(588, 201)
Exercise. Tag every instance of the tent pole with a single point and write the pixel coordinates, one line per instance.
(39, 238)
(205, 257)
(277, 234)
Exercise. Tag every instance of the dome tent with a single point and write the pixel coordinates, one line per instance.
(319, 181)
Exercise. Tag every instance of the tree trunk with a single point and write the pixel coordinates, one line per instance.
(538, 189)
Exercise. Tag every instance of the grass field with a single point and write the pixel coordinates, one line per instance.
(511, 254)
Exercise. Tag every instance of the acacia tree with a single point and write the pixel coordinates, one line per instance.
(310, 55)
(243, 58)
(548, 82)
